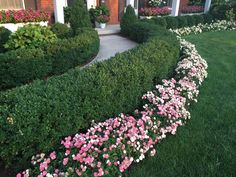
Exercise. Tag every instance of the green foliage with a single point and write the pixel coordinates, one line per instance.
(198, 19)
(191, 20)
(208, 18)
(160, 21)
(79, 16)
(128, 19)
(229, 15)
(4, 36)
(30, 36)
(24, 65)
(45, 111)
(99, 10)
(224, 11)
(61, 30)
(182, 21)
(172, 22)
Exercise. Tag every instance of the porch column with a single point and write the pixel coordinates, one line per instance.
(175, 8)
(59, 10)
(207, 6)
(91, 4)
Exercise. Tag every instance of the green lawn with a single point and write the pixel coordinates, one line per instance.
(206, 146)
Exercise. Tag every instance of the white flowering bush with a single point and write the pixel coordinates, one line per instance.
(109, 148)
(214, 26)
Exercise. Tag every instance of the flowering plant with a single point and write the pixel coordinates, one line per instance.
(214, 26)
(156, 3)
(23, 16)
(102, 18)
(154, 11)
(192, 9)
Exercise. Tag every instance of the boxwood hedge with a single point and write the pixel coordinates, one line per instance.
(24, 65)
(35, 117)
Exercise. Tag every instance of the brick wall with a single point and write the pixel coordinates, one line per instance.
(46, 5)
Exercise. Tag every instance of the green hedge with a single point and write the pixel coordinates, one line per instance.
(35, 117)
(181, 21)
(24, 65)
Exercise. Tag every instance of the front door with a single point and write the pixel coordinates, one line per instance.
(113, 7)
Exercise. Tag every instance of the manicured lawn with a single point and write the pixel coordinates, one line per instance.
(206, 146)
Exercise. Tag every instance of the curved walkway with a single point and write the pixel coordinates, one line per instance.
(111, 45)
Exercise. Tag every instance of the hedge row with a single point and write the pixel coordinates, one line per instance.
(181, 21)
(35, 117)
(21, 66)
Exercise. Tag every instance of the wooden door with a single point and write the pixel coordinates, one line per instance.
(113, 7)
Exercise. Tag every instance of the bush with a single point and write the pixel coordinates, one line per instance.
(99, 10)
(198, 19)
(35, 117)
(30, 36)
(79, 16)
(47, 60)
(191, 20)
(128, 19)
(161, 21)
(172, 22)
(4, 36)
(208, 18)
(219, 11)
(182, 21)
(61, 30)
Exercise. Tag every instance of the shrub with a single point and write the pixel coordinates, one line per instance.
(47, 60)
(79, 16)
(208, 18)
(99, 10)
(4, 36)
(30, 36)
(160, 21)
(172, 22)
(61, 30)
(198, 19)
(35, 117)
(128, 19)
(182, 21)
(191, 20)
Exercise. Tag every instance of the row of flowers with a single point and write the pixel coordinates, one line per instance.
(109, 148)
(155, 11)
(23, 16)
(214, 26)
(192, 9)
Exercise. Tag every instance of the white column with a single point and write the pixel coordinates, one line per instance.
(175, 8)
(91, 4)
(207, 6)
(59, 10)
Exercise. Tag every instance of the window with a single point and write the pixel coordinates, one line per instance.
(12, 4)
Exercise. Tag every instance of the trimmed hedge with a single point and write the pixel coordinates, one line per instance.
(24, 65)
(4, 36)
(181, 21)
(35, 117)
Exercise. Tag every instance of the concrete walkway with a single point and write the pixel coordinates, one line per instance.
(111, 45)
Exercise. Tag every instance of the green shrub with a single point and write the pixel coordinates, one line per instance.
(21, 66)
(191, 20)
(79, 15)
(30, 36)
(61, 30)
(161, 21)
(128, 19)
(172, 22)
(208, 18)
(35, 117)
(198, 19)
(219, 11)
(4, 36)
(182, 21)
(47, 60)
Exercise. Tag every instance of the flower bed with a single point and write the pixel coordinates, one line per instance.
(215, 26)
(192, 9)
(155, 11)
(22, 16)
(109, 148)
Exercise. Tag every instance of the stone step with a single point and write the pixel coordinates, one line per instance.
(109, 30)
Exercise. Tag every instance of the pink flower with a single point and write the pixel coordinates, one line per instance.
(65, 161)
(105, 156)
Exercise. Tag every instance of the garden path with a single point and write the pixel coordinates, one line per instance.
(110, 45)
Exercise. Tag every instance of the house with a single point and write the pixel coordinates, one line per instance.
(55, 7)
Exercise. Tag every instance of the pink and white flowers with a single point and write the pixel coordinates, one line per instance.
(109, 148)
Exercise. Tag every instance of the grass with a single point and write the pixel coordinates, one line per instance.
(206, 146)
